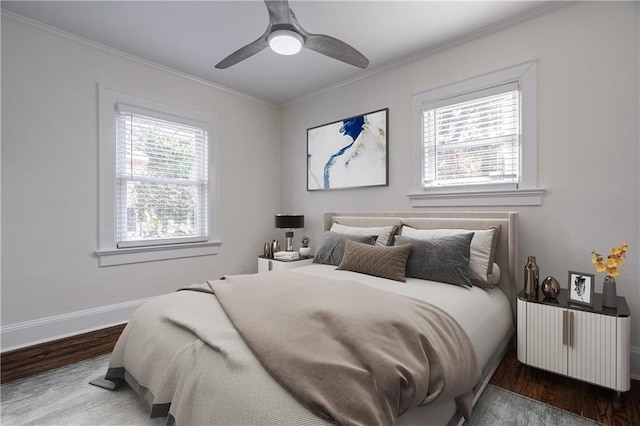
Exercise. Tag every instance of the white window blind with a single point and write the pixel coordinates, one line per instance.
(161, 179)
(473, 138)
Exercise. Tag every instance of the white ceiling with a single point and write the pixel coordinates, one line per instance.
(192, 36)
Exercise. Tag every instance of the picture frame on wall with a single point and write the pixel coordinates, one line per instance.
(349, 153)
(581, 288)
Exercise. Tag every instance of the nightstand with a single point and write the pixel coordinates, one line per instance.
(266, 264)
(588, 344)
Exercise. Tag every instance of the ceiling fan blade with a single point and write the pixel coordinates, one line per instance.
(336, 49)
(243, 53)
(279, 12)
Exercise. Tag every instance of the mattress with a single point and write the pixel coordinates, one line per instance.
(175, 335)
(485, 315)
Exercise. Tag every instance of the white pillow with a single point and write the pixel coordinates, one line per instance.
(483, 246)
(384, 233)
(495, 274)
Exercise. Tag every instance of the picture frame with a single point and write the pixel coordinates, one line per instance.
(581, 286)
(349, 153)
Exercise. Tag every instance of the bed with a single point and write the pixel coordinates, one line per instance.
(185, 357)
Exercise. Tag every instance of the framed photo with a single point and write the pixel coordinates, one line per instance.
(349, 153)
(581, 288)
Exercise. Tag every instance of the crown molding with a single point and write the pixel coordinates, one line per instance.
(134, 58)
(466, 38)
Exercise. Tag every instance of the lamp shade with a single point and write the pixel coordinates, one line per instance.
(289, 221)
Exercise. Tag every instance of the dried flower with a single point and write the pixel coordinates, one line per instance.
(612, 262)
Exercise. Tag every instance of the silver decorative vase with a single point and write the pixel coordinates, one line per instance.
(269, 249)
(275, 247)
(609, 294)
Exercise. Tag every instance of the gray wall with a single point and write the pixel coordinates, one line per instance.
(49, 176)
(588, 137)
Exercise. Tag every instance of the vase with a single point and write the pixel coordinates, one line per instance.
(550, 288)
(305, 251)
(609, 295)
(275, 247)
(531, 278)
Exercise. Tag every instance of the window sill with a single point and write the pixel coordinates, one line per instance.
(515, 197)
(153, 253)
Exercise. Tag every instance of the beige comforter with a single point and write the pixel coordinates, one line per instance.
(349, 352)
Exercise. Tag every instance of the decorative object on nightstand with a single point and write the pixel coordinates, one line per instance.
(531, 278)
(581, 288)
(268, 250)
(609, 292)
(550, 288)
(289, 222)
(610, 266)
(305, 250)
(286, 255)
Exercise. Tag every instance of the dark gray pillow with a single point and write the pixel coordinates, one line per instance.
(331, 247)
(379, 261)
(444, 259)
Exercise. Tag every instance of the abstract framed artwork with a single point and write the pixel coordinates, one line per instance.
(350, 153)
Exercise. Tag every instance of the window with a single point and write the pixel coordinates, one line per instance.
(157, 180)
(161, 179)
(475, 141)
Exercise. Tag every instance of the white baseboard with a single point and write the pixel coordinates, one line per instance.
(634, 360)
(28, 333)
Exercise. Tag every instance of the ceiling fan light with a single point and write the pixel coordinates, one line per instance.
(285, 42)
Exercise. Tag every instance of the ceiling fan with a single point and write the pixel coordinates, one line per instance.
(285, 36)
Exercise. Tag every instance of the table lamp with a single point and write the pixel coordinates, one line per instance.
(289, 222)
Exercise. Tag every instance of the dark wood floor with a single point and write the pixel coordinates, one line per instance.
(36, 359)
(568, 394)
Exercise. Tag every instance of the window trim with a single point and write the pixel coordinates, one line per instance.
(526, 191)
(108, 253)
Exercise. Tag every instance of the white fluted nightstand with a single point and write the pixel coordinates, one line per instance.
(266, 264)
(587, 343)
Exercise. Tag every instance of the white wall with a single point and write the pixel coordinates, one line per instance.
(588, 150)
(49, 180)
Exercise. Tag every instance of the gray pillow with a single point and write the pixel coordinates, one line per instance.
(331, 247)
(483, 249)
(444, 259)
(379, 261)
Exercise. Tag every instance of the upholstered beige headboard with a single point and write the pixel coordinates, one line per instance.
(506, 250)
